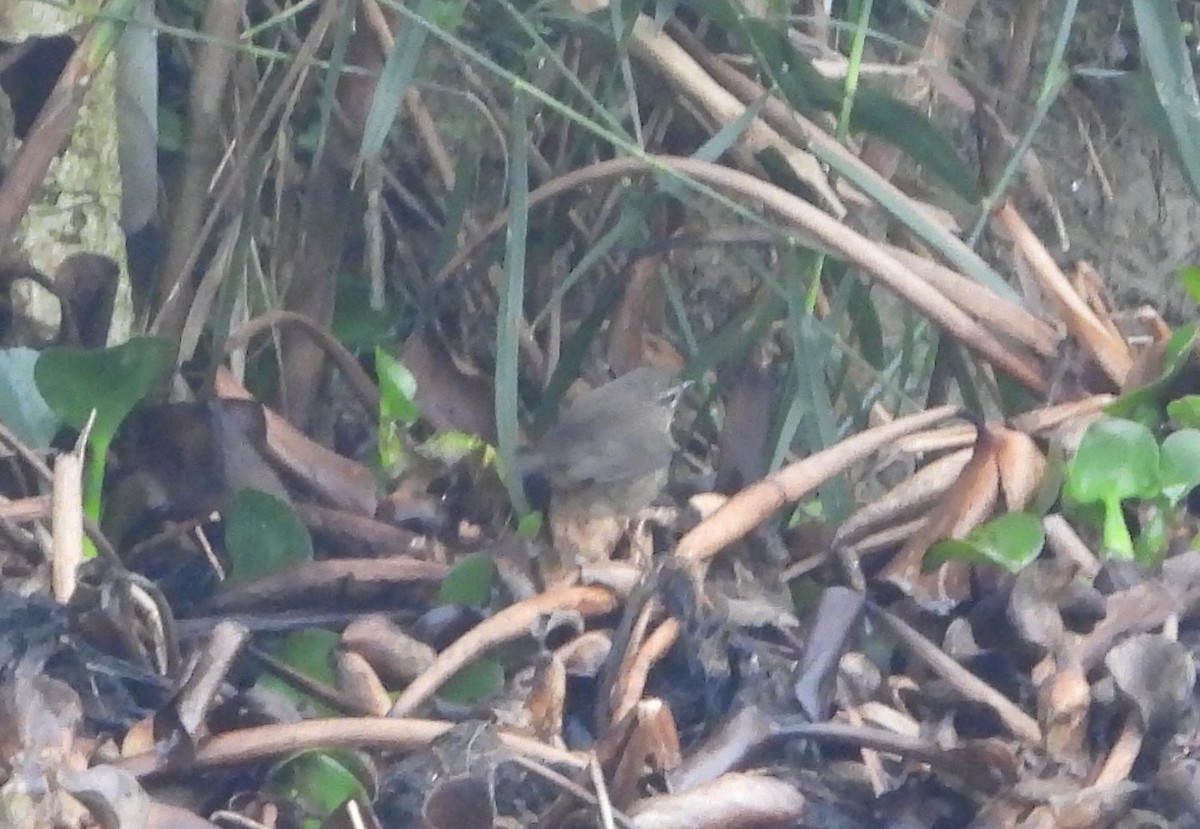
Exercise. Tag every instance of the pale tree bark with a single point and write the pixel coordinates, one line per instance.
(78, 206)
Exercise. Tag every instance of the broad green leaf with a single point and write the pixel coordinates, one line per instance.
(1189, 275)
(1011, 541)
(112, 381)
(1185, 411)
(318, 782)
(263, 535)
(22, 407)
(1116, 459)
(397, 389)
(1180, 465)
(475, 682)
(309, 652)
(356, 324)
(469, 582)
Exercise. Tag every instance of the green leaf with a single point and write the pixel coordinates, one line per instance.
(1189, 275)
(1164, 51)
(1185, 411)
(22, 407)
(1117, 459)
(393, 81)
(356, 324)
(316, 783)
(469, 582)
(875, 111)
(1180, 347)
(1011, 541)
(1179, 470)
(1115, 456)
(397, 389)
(530, 524)
(112, 381)
(509, 323)
(474, 683)
(722, 140)
(452, 446)
(308, 652)
(263, 535)
(914, 134)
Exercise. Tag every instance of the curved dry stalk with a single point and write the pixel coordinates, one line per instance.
(1108, 350)
(755, 504)
(982, 302)
(511, 623)
(363, 386)
(263, 742)
(295, 585)
(848, 245)
(1118, 764)
(631, 684)
(966, 683)
(806, 133)
(654, 47)
(907, 501)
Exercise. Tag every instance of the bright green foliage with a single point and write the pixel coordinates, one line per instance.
(1189, 275)
(316, 781)
(397, 409)
(1011, 541)
(1117, 460)
(1180, 468)
(319, 782)
(470, 582)
(110, 381)
(1185, 411)
(263, 535)
(475, 683)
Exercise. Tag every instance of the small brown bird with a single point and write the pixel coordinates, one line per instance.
(612, 445)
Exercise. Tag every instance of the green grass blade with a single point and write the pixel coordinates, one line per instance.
(1164, 51)
(511, 313)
